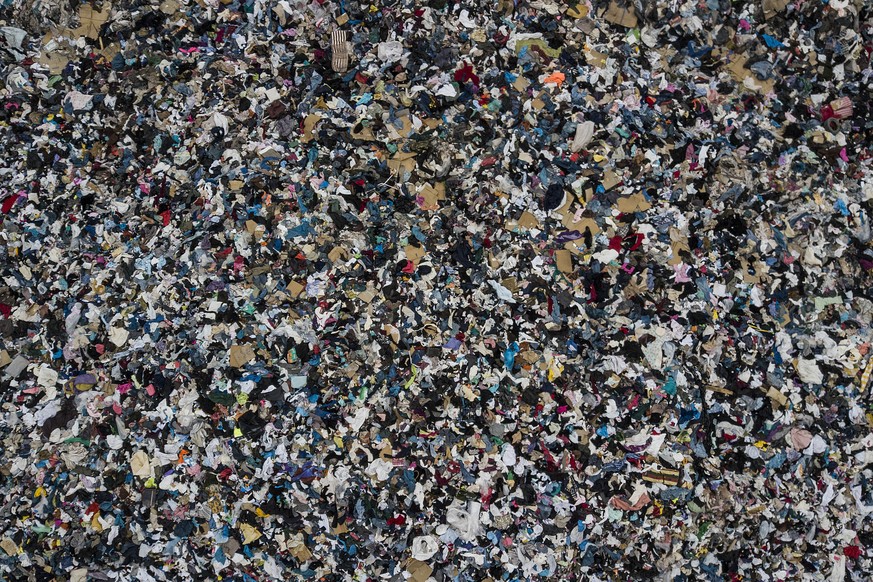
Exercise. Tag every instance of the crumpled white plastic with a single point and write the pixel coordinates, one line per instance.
(424, 548)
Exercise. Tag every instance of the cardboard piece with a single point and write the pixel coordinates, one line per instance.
(414, 254)
(528, 221)
(406, 129)
(610, 180)
(418, 571)
(577, 11)
(301, 552)
(240, 355)
(740, 73)
(337, 253)
(621, 15)
(564, 261)
(634, 203)
(777, 397)
(363, 133)
(510, 283)
(402, 162)
(294, 289)
(9, 546)
(430, 196)
(773, 7)
(90, 20)
(308, 126)
(520, 84)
